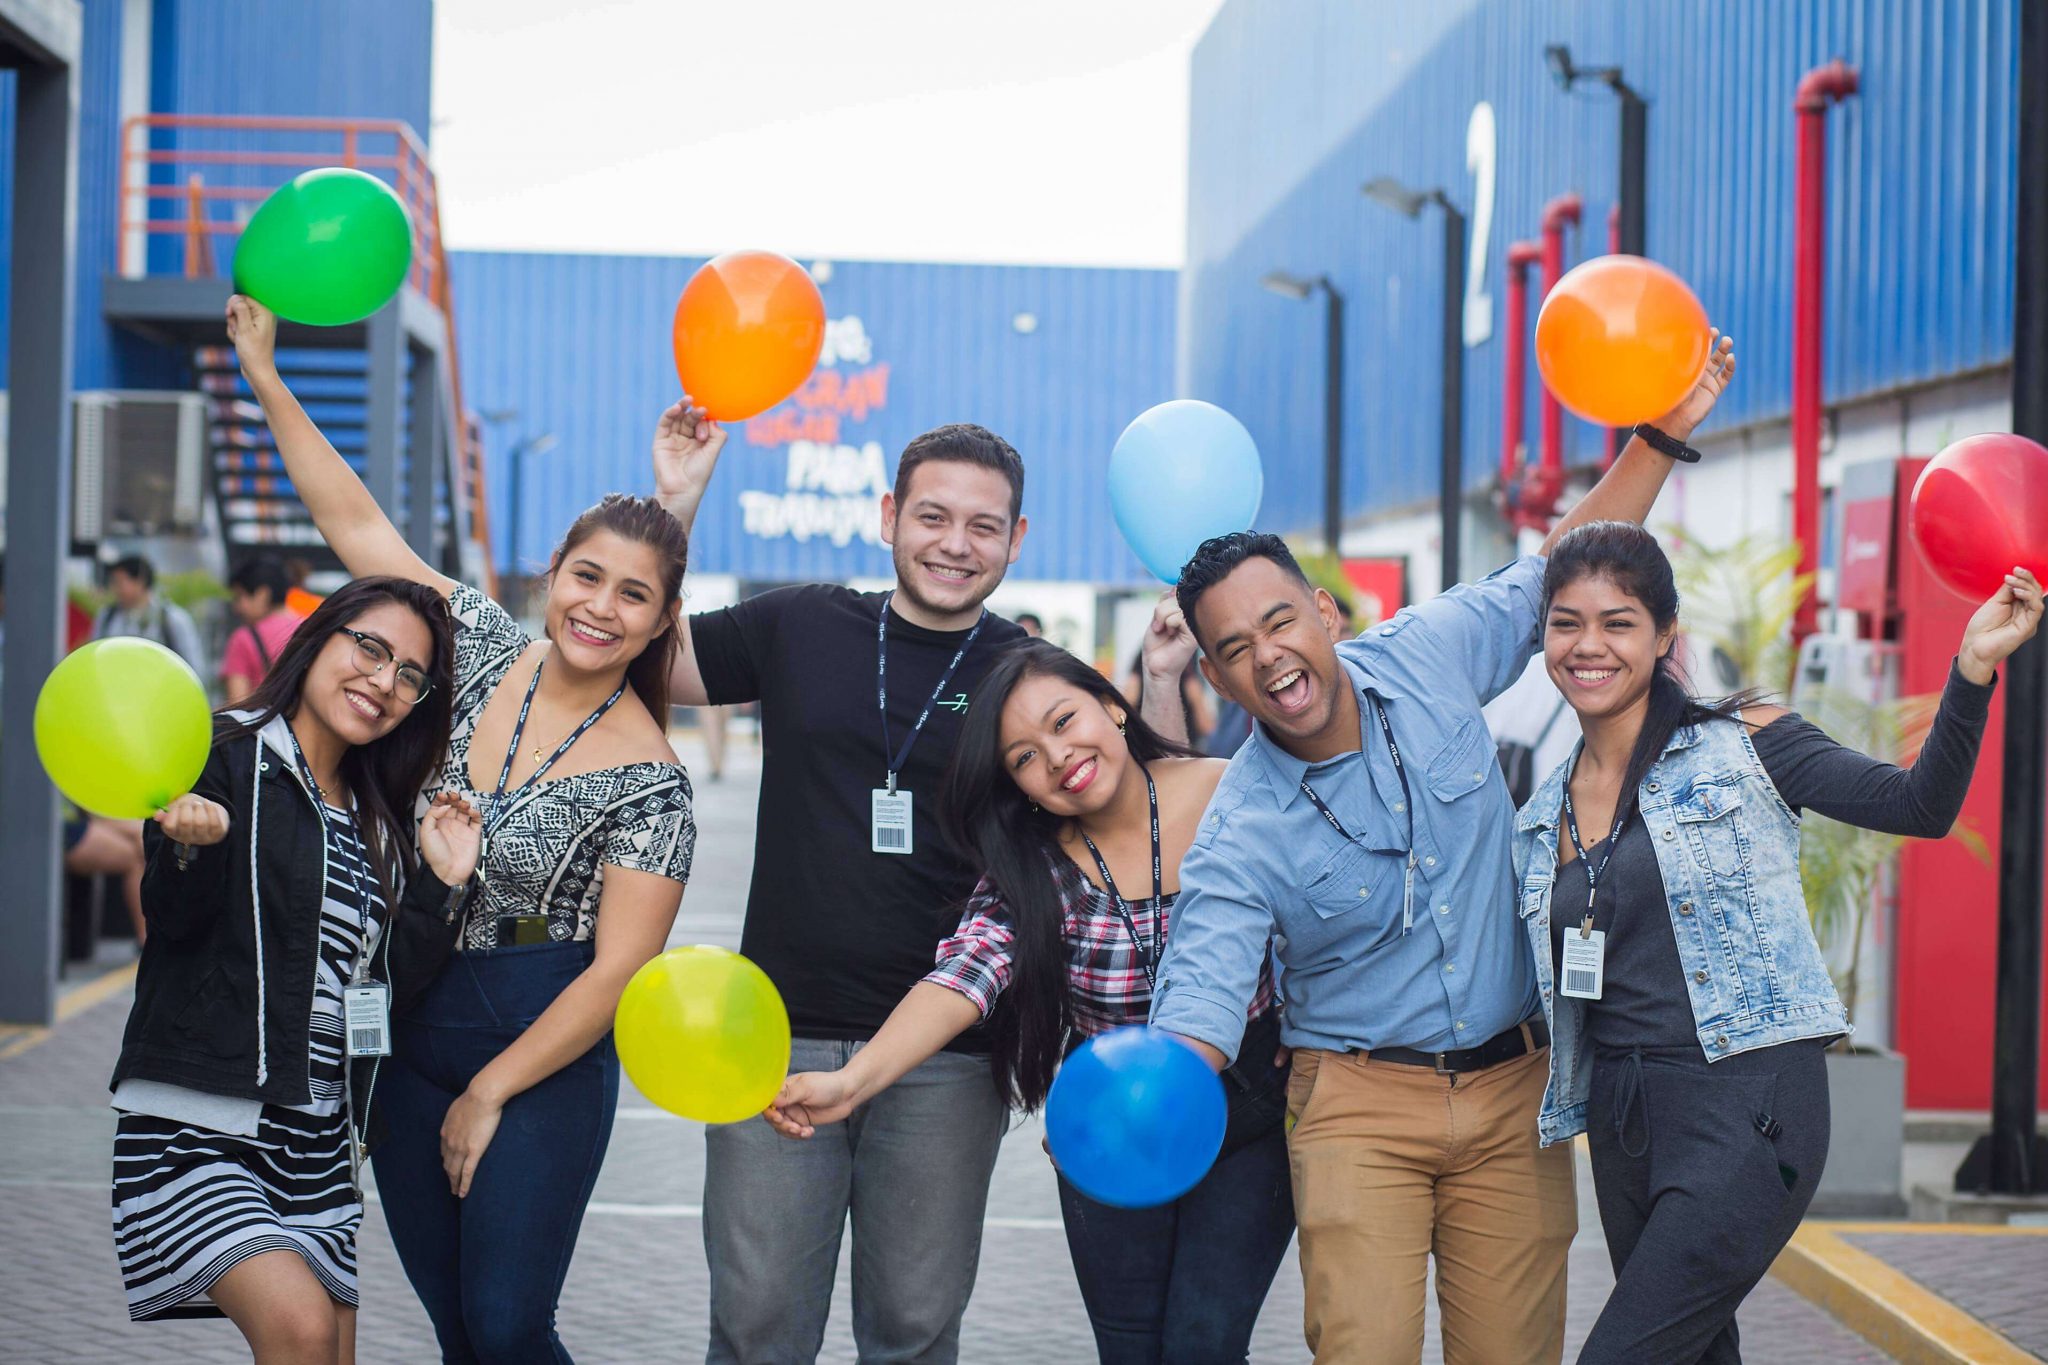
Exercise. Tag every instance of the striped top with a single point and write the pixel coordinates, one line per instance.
(352, 912)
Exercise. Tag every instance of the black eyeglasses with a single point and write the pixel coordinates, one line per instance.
(372, 654)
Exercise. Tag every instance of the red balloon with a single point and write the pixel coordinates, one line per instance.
(1980, 508)
(748, 330)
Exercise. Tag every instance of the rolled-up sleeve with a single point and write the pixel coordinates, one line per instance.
(1221, 930)
(977, 960)
(1489, 629)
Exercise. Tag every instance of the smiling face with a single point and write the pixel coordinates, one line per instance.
(1601, 646)
(1267, 642)
(952, 537)
(356, 704)
(605, 602)
(1061, 745)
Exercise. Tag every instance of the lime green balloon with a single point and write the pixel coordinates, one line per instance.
(703, 1033)
(329, 248)
(123, 728)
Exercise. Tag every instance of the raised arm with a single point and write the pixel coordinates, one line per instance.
(1163, 660)
(350, 520)
(1627, 491)
(686, 448)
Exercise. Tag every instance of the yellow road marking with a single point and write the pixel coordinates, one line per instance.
(1892, 1311)
(16, 1040)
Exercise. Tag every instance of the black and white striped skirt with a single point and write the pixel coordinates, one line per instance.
(191, 1204)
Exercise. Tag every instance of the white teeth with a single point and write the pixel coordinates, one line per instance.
(1083, 771)
(1594, 674)
(944, 571)
(363, 705)
(602, 636)
(1282, 683)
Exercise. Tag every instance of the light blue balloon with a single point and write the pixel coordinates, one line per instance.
(1135, 1118)
(1182, 472)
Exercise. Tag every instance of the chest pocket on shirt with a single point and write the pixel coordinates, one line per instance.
(1463, 762)
(1704, 816)
(1354, 878)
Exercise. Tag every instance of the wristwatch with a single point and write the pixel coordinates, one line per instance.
(1666, 445)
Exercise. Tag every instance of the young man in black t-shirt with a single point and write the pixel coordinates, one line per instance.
(853, 889)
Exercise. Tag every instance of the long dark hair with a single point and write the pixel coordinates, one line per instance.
(648, 522)
(1630, 558)
(387, 773)
(989, 819)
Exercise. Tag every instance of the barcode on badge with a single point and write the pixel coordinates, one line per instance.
(1578, 983)
(363, 1039)
(888, 836)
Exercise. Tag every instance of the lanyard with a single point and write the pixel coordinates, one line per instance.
(1593, 870)
(1407, 805)
(355, 881)
(498, 799)
(882, 686)
(1148, 958)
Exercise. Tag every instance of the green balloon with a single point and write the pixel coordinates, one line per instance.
(329, 248)
(122, 727)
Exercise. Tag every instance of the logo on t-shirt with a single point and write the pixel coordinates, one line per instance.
(957, 702)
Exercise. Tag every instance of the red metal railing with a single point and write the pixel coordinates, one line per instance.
(195, 179)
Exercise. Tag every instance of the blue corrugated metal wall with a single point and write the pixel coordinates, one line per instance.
(1295, 103)
(579, 346)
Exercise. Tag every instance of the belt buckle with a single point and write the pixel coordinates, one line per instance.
(1440, 1066)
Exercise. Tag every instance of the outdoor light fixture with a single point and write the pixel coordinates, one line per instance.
(1629, 233)
(1409, 203)
(1298, 288)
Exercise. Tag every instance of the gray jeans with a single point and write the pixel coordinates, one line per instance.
(912, 1167)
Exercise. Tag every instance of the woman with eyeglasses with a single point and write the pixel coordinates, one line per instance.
(504, 1081)
(290, 897)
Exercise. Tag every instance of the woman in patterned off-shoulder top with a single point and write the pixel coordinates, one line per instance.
(504, 1081)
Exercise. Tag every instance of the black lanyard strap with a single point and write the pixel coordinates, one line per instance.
(1571, 824)
(499, 801)
(1148, 958)
(355, 881)
(882, 686)
(1407, 808)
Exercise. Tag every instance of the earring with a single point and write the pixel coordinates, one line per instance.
(1034, 807)
(1120, 729)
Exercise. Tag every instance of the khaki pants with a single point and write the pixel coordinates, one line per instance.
(1391, 1163)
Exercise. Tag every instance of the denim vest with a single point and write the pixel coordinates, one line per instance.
(1728, 851)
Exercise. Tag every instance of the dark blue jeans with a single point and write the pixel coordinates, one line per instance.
(1182, 1284)
(489, 1268)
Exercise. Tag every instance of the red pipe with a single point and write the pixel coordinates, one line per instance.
(1515, 367)
(1546, 481)
(1613, 249)
(1834, 81)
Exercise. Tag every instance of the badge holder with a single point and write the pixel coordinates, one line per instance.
(366, 1018)
(889, 826)
(1585, 961)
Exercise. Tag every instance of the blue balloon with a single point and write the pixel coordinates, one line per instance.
(1181, 473)
(1135, 1118)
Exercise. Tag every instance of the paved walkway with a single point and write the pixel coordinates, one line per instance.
(637, 1290)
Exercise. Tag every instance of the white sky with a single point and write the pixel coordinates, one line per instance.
(1049, 132)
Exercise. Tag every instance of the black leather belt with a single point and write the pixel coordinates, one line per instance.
(1519, 1041)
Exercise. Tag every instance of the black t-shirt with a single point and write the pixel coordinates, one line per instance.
(842, 931)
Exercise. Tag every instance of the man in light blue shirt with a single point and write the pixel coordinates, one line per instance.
(1364, 832)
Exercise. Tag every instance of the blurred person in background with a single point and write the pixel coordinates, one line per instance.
(138, 610)
(259, 586)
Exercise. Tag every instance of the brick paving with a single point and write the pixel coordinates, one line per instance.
(1999, 1280)
(637, 1289)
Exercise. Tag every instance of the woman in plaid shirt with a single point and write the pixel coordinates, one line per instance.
(1058, 787)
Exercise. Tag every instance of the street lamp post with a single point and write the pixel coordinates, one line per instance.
(1635, 119)
(1298, 288)
(1451, 433)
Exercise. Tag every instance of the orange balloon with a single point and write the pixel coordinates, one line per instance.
(748, 330)
(1621, 340)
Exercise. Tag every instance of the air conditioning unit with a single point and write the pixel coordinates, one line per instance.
(138, 463)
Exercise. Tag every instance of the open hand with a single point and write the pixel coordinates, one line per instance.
(252, 329)
(2004, 623)
(686, 446)
(810, 1098)
(450, 837)
(194, 821)
(1683, 420)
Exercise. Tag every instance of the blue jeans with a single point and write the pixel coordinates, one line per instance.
(489, 1268)
(1182, 1284)
(911, 1166)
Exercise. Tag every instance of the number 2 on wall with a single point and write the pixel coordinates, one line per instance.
(1479, 160)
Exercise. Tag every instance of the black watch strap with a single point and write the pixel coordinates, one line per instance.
(1667, 445)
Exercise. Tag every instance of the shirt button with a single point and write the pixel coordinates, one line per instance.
(1450, 966)
(1653, 786)
(1461, 1026)
(1699, 976)
(1429, 862)
(1443, 909)
(1671, 834)
(1400, 806)
(1479, 776)
(1387, 631)
(1721, 1041)
(1685, 907)
(1364, 891)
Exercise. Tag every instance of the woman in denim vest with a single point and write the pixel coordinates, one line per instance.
(1659, 882)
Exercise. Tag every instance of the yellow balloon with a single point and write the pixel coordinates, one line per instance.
(703, 1033)
(122, 727)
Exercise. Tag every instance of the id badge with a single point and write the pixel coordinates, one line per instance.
(366, 1015)
(889, 829)
(1585, 963)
